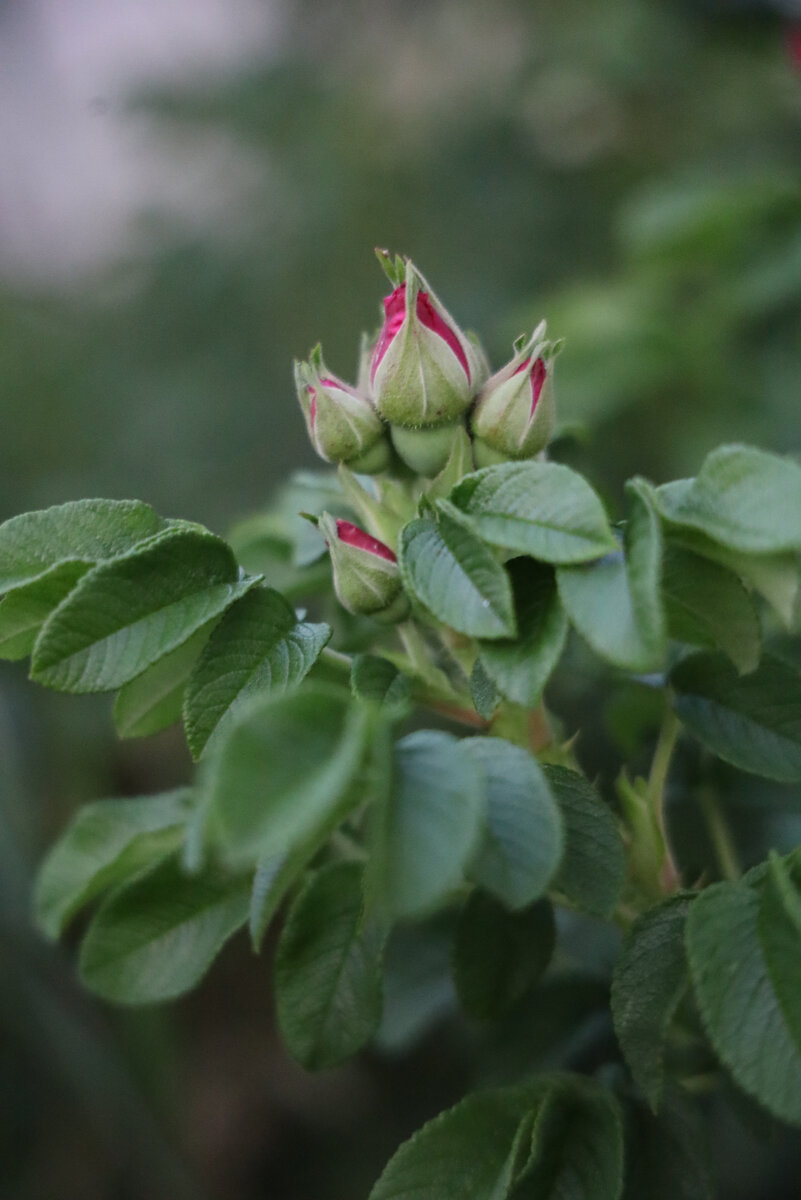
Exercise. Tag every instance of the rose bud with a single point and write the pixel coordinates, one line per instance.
(425, 370)
(514, 414)
(366, 575)
(342, 424)
(426, 451)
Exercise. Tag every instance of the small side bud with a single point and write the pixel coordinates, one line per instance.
(366, 576)
(425, 370)
(515, 413)
(342, 424)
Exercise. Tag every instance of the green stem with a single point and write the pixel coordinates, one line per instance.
(720, 835)
(335, 658)
(657, 781)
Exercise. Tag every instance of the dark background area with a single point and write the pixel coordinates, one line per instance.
(189, 202)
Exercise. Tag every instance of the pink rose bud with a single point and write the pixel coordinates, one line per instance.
(342, 424)
(366, 576)
(425, 370)
(514, 414)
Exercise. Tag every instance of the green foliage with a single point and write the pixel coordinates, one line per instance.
(747, 986)
(426, 826)
(124, 615)
(106, 843)
(594, 865)
(536, 508)
(520, 667)
(556, 1137)
(649, 981)
(752, 721)
(155, 936)
(327, 970)
(521, 841)
(259, 646)
(456, 578)
(707, 605)
(499, 955)
(308, 790)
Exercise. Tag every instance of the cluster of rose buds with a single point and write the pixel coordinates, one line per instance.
(422, 383)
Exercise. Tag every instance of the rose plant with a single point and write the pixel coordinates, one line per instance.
(383, 758)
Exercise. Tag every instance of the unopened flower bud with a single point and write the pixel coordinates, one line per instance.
(366, 575)
(424, 370)
(514, 415)
(342, 424)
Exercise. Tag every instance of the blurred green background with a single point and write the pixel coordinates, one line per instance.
(188, 200)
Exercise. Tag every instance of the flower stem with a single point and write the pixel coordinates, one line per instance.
(720, 835)
(657, 780)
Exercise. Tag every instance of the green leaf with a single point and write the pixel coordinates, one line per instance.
(537, 508)
(780, 938)
(667, 1156)
(744, 1008)
(155, 937)
(105, 843)
(426, 828)
(520, 667)
(594, 865)
(328, 970)
(499, 955)
(522, 840)
(456, 577)
(375, 680)
(259, 646)
(474, 1151)
(271, 881)
(126, 614)
(25, 609)
(707, 605)
(615, 602)
(577, 1144)
(484, 694)
(88, 531)
(743, 498)
(777, 577)
(649, 981)
(752, 721)
(556, 1138)
(155, 698)
(281, 771)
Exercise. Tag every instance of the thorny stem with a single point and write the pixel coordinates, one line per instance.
(720, 835)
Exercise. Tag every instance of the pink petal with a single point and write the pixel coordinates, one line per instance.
(792, 40)
(538, 373)
(428, 316)
(394, 316)
(351, 535)
(312, 406)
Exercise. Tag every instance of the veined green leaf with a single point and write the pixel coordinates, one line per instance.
(743, 498)
(615, 602)
(707, 605)
(126, 614)
(522, 840)
(426, 828)
(155, 937)
(649, 981)
(537, 508)
(327, 970)
(105, 843)
(752, 721)
(456, 577)
(520, 667)
(259, 646)
(154, 700)
(281, 771)
(743, 1003)
(594, 866)
(87, 531)
(25, 609)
